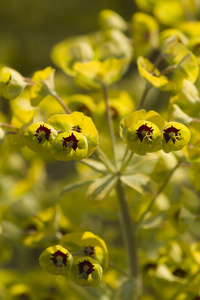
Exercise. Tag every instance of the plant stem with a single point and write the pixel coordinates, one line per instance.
(144, 95)
(182, 288)
(158, 193)
(168, 69)
(129, 236)
(8, 126)
(157, 61)
(64, 106)
(104, 159)
(110, 123)
(126, 160)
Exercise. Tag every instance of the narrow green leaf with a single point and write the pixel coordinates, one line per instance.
(101, 187)
(140, 183)
(75, 185)
(95, 165)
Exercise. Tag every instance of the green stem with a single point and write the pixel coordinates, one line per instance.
(144, 95)
(182, 288)
(8, 126)
(168, 69)
(129, 236)
(157, 61)
(158, 193)
(64, 106)
(104, 159)
(126, 160)
(110, 123)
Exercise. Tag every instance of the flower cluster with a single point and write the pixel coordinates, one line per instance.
(68, 137)
(85, 262)
(147, 132)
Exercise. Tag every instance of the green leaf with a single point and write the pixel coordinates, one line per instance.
(95, 165)
(140, 183)
(101, 187)
(154, 221)
(75, 185)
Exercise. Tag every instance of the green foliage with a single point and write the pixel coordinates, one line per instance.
(100, 163)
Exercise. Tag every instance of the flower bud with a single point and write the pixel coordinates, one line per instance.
(86, 272)
(175, 136)
(12, 83)
(141, 137)
(56, 260)
(39, 136)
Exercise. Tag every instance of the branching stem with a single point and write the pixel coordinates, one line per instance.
(64, 106)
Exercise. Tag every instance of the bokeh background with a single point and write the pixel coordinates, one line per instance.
(29, 28)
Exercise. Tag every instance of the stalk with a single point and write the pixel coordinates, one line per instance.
(64, 106)
(129, 237)
(144, 95)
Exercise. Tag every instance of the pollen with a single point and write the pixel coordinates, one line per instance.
(70, 142)
(89, 250)
(144, 131)
(171, 133)
(59, 258)
(85, 268)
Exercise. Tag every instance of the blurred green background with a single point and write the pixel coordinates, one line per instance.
(29, 28)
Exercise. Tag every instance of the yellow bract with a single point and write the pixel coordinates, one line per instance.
(152, 75)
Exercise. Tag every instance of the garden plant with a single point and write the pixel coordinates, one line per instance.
(100, 163)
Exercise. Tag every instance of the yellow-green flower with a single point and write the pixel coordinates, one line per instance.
(86, 272)
(175, 136)
(109, 19)
(44, 85)
(56, 260)
(12, 83)
(87, 244)
(144, 33)
(78, 138)
(152, 75)
(92, 74)
(39, 136)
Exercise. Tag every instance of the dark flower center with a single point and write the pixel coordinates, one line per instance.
(59, 258)
(42, 131)
(76, 128)
(89, 251)
(144, 131)
(171, 133)
(70, 142)
(85, 268)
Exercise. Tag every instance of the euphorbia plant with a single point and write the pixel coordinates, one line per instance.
(129, 168)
